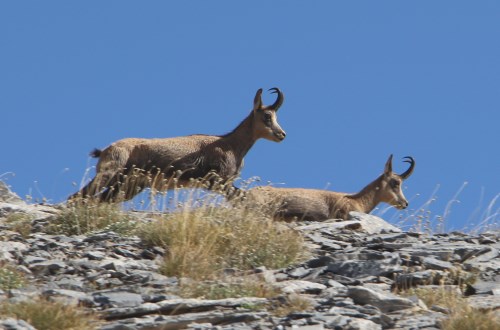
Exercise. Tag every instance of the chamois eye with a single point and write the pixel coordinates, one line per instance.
(394, 183)
(267, 117)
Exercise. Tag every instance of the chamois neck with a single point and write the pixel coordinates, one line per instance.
(242, 138)
(367, 198)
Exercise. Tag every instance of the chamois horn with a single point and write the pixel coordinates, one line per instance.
(409, 171)
(279, 100)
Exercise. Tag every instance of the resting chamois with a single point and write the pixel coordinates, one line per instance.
(318, 205)
(128, 166)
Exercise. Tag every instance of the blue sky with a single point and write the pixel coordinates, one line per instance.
(361, 79)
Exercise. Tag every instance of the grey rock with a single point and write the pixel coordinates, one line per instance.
(180, 306)
(184, 321)
(49, 267)
(8, 196)
(118, 299)
(298, 286)
(433, 263)
(14, 324)
(370, 264)
(385, 302)
(373, 224)
(484, 302)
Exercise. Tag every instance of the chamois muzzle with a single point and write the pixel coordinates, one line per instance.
(401, 205)
(279, 134)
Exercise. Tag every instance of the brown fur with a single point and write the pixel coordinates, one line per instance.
(130, 165)
(318, 205)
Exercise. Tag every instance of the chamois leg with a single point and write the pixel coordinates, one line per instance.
(97, 184)
(122, 188)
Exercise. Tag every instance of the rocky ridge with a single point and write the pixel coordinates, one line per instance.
(349, 281)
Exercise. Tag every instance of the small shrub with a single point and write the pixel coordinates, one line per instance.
(46, 315)
(82, 218)
(10, 278)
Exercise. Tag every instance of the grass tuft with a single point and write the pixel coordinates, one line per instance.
(20, 223)
(461, 315)
(202, 242)
(10, 278)
(292, 304)
(83, 218)
(47, 315)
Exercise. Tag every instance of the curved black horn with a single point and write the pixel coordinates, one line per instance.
(409, 171)
(279, 99)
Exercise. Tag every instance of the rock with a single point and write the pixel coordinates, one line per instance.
(298, 286)
(385, 302)
(366, 264)
(13, 324)
(117, 299)
(9, 197)
(433, 263)
(373, 224)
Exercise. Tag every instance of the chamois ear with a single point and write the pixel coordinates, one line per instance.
(388, 166)
(257, 102)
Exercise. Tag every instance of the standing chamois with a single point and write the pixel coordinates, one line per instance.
(318, 205)
(128, 166)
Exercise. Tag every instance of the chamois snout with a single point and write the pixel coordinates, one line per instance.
(401, 204)
(280, 134)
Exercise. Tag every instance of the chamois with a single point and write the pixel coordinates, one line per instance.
(318, 205)
(129, 165)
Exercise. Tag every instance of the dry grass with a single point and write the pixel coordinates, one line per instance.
(20, 222)
(46, 315)
(461, 315)
(81, 218)
(203, 241)
(464, 317)
(292, 304)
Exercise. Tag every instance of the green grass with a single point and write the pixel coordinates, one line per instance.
(10, 278)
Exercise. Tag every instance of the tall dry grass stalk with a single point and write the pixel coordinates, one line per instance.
(204, 240)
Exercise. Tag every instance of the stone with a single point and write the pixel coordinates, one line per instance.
(118, 299)
(7, 196)
(14, 324)
(373, 224)
(298, 286)
(433, 263)
(385, 302)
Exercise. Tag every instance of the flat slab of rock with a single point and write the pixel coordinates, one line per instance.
(385, 302)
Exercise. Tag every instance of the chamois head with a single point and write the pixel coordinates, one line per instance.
(390, 184)
(264, 117)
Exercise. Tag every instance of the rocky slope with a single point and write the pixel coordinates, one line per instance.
(349, 281)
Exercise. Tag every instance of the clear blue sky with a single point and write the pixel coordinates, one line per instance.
(361, 79)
